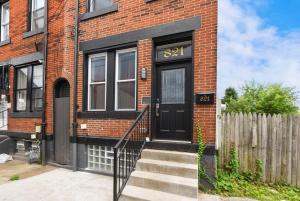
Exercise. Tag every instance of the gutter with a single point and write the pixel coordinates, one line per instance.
(43, 131)
(75, 123)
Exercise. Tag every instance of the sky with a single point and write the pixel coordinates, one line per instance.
(259, 40)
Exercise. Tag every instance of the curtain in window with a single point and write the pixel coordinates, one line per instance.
(173, 86)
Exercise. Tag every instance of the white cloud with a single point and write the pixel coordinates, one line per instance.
(251, 50)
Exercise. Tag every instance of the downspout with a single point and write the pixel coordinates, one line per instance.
(44, 85)
(75, 124)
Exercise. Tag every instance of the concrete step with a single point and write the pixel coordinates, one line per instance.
(180, 157)
(168, 167)
(165, 183)
(20, 156)
(133, 193)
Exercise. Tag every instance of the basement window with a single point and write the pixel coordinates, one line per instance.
(100, 158)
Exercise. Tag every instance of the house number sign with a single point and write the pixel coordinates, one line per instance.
(205, 98)
(174, 51)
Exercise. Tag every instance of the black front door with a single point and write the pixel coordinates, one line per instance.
(62, 123)
(173, 102)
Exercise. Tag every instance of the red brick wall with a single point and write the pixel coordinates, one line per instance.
(136, 14)
(132, 15)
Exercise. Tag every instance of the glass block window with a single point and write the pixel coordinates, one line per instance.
(100, 158)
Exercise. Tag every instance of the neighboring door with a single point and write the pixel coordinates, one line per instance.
(173, 102)
(62, 123)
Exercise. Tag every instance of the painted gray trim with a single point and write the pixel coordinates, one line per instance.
(6, 42)
(32, 33)
(90, 15)
(27, 58)
(25, 114)
(151, 32)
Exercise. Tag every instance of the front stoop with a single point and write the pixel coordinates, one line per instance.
(162, 175)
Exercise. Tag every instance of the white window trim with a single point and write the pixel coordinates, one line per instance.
(129, 80)
(2, 23)
(89, 80)
(31, 14)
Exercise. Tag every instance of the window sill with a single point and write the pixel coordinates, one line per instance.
(25, 114)
(5, 42)
(90, 15)
(109, 115)
(32, 33)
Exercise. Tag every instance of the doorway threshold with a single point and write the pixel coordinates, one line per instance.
(172, 145)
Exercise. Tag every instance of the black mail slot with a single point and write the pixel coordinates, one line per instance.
(205, 98)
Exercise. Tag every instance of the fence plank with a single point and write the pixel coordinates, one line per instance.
(264, 131)
(241, 140)
(297, 119)
(294, 151)
(278, 145)
(275, 140)
(289, 148)
(284, 150)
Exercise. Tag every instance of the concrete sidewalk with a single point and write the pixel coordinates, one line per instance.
(59, 185)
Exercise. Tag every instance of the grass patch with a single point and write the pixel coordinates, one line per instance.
(243, 186)
(14, 178)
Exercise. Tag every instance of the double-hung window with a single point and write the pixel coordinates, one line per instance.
(29, 88)
(37, 15)
(126, 64)
(95, 5)
(97, 82)
(4, 22)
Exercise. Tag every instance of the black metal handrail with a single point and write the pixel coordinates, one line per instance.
(128, 150)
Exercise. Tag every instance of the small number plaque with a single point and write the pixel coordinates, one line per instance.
(174, 51)
(203, 99)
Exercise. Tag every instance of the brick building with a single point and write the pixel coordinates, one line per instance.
(131, 53)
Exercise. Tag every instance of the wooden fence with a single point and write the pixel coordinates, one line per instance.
(275, 140)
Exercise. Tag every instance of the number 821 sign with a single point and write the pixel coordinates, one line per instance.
(174, 51)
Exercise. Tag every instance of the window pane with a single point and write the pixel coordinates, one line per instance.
(126, 66)
(5, 21)
(37, 16)
(126, 95)
(37, 98)
(98, 69)
(37, 76)
(22, 78)
(21, 100)
(99, 4)
(37, 4)
(173, 87)
(97, 96)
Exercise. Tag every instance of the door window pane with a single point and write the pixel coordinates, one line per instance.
(97, 96)
(173, 86)
(126, 95)
(99, 4)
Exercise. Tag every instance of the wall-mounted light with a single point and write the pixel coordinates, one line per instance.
(144, 73)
